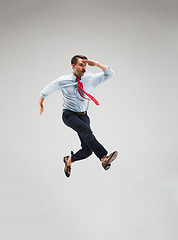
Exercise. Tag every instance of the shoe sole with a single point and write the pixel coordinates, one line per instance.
(107, 167)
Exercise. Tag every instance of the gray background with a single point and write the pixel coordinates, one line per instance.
(137, 198)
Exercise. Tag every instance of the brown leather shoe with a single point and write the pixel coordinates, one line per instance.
(108, 159)
(67, 168)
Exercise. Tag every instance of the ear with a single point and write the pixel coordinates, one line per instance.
(73, 66)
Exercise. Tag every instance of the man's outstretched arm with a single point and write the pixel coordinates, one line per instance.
(50, 88)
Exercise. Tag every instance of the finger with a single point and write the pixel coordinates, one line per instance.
(84, 60)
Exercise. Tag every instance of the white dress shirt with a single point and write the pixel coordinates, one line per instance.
(68, 85)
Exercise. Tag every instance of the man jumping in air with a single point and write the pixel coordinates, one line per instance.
(76, 89)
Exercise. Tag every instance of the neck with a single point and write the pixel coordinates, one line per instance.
(77, 76)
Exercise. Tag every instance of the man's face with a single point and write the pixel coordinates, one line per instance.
(80, 68)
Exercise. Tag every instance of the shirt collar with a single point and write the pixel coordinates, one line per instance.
(74, 77)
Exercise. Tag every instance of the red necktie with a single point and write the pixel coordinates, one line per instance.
(80, 84)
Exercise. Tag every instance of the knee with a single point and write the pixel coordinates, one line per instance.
(88, 153)
(86, 133)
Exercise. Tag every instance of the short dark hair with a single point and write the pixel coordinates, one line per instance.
(76, 57)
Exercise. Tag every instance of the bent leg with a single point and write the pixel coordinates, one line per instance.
(83, 153)
(81, 124)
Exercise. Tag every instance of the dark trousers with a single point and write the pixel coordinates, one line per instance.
(89, 144)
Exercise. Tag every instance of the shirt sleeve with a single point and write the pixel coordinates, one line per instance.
(51, 87)
(99, 78)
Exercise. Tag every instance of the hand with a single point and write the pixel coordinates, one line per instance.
(41, 108)
(41, 105)
(90, 62)
(94, 63)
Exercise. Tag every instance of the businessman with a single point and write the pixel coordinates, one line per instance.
(77, 88)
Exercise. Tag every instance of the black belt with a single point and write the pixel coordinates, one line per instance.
(78, 113)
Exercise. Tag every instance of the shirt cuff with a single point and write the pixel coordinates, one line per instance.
(108, 72)
(42, 95)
